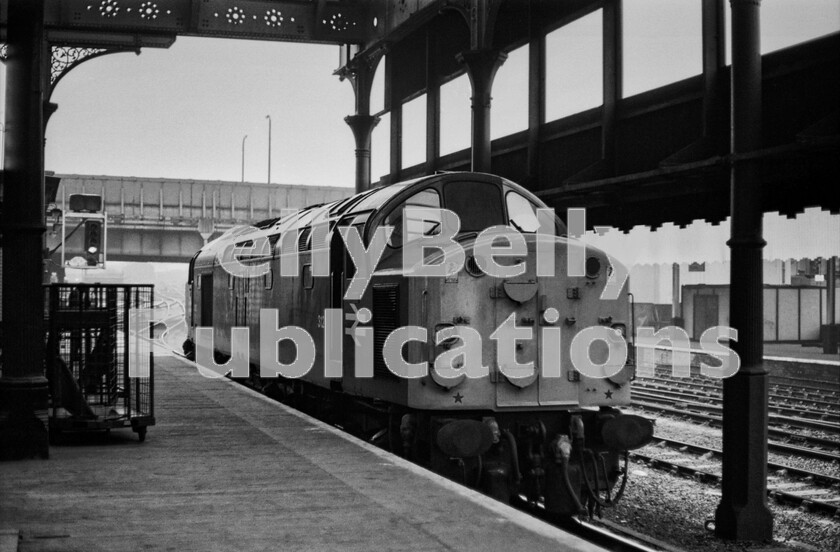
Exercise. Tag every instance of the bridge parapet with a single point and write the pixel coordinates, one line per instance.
(157, 219)
(129, 200)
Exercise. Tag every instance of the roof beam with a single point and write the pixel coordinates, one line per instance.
(328, 22)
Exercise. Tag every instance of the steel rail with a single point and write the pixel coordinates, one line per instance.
(716, 421)
(717, 453)
(823, 387)
(714, 391)
(779, 420)
(601, 533)
(706, 476)
(715, 401)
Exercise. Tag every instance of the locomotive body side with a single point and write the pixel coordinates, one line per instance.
(505, 434)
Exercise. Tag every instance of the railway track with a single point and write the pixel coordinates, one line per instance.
(174, 322)
(779, 396)
(782, 388)
(829, 414)
(604, 533)
(704, 411)
(790, 425)
(782, 434)
(816, 385)
(810, 490)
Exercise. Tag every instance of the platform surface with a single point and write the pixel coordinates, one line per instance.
(796, 351)
(227, 469)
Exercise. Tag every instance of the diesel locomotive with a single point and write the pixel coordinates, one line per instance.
(527, 422)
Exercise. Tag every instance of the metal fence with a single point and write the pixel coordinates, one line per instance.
(89, 352)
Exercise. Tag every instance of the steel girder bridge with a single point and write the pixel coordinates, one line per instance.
(168, 220)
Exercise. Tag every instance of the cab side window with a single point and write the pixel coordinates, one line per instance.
(416, 227)
(522, 214)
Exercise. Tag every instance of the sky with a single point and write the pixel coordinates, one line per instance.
(183, 112)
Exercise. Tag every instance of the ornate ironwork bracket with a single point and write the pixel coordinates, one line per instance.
(62, 60)
(65, 58)
(362, 66)
(359, 71)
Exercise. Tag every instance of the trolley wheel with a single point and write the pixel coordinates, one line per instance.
(141, 433)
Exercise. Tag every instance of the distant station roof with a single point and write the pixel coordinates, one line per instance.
(812, 234)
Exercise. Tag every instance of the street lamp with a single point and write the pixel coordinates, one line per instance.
(269, 147)
(243, 157)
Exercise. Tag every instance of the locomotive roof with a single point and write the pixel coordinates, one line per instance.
(369, 201)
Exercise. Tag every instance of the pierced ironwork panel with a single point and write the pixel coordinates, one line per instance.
(65, 58)
(292, 21)
(332, 21)
(159, 15)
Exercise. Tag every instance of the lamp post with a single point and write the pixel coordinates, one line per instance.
(269, 148)
(243, 157)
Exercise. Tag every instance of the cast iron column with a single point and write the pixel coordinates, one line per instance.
(23, 387)
(362, 127)
(742, 513)
(536, 99)
(481, 67)
(714, 61)
(612, 75)
(829, 341)
(360, 72)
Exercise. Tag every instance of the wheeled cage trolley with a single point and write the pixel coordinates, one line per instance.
(99, 358)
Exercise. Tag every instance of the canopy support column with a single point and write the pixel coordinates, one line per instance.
(742, 513)
(23, 387)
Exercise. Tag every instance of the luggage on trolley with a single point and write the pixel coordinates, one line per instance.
(100, 366)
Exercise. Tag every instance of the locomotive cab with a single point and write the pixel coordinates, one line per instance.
(494, 369)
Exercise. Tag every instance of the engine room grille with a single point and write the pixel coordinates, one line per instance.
(303, 245)
(386, 318)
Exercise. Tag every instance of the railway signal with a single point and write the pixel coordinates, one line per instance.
(93, 241)
(83, 215)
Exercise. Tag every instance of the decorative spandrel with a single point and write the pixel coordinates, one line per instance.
(65, 58)
(346, 21)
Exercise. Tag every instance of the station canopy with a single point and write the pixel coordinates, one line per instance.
(815, 233)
